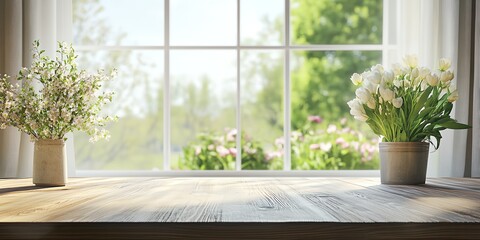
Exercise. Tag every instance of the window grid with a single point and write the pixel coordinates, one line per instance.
(385, 47)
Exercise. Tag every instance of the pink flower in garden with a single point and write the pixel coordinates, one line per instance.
(315, 119)
(280, 141)
(314, 146)
(231, 135)
(232, 151)
(331, 128)
(346, 130)
(222, 151)
(367, 151)
(272, 155)
(372, 149)
(343, 121)
(340, 141)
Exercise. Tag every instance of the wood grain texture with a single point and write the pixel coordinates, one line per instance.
(268, 207)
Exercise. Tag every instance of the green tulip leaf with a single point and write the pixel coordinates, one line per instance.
(454, 125)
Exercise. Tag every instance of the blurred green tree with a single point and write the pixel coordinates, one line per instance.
(321, 79)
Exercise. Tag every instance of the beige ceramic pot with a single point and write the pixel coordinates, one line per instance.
(49, 163)
(403, 162)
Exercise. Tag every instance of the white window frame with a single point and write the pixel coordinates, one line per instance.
(387, 46)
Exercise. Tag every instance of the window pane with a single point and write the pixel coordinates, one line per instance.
(203, 102)
(203, 22)
(324, 135)
(336, 22)
(262, 109)
(262, 22)
(118, 22)
(136, 141)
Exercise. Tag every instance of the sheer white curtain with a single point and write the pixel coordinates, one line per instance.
(434, 29)
(22, 22)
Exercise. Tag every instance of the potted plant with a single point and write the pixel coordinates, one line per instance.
(407, 107)
(55, 98)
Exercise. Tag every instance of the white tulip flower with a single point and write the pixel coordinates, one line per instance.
(371, 87)
(388, 77)
(371, 103)
(362, 118)
(397, 83)
(397, 102)
(411, 61)
(452, 87)
(397, 69)
(363, 94)
(365, 75)
(444, 64)
(354, 104)
(415, 73)
(446, 76)
(356, 79)
(423, 72)
(432, 79)
(386, 94)
(453, 96)
(378, 68)
(375, 77)
(357, 110)
(423, 85)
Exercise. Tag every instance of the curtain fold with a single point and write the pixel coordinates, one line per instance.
(12, 62)
(432, 30)
(466, 161)
(22, 23)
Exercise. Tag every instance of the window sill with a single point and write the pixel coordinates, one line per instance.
(227, 173)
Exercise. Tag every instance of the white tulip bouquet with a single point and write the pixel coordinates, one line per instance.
(55, 97)
(408, 103)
